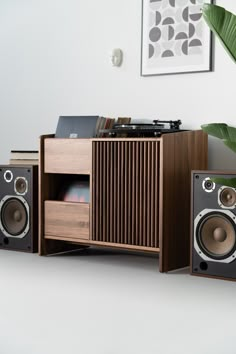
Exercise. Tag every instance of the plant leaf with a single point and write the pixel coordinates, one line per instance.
(218, 130)
(229, 182)
(230, 144)
(232, 133)
(223, 24)
(221, 131)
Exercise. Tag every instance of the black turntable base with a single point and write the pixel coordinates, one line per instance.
(155, 129)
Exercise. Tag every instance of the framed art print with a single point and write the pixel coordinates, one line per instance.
(175, 37)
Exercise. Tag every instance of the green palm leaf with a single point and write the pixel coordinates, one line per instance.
(223, 24)
(232, 133)
(218, 130)
(223, 132)
(229, 182)
(230, 144)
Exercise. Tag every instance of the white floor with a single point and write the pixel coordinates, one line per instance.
(109, 302)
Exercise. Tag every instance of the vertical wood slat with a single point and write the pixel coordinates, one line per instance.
(140, 194)
(148, 166)
(133, 191)
(95, 212)
(137, 159)
(119, 192)
(122, 196)
(126, 192)
(93, 215)
(152, 229)
(156, 192)
(107, 193)
(144, 188)
(104, 178)
(100, 195)
(115, 191)
(110, 210)
(129, 188)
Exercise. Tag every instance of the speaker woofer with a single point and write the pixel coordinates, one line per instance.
(14, 212)
(227, 197)
(216, 235)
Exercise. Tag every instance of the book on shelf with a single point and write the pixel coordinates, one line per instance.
(23, 161)
(123, 120)
(100, 124)
(106, 123)
(24, 154)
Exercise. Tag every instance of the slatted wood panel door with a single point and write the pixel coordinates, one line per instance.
(125, 207)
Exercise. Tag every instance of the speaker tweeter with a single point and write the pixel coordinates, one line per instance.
(207, 185)
(8, 176)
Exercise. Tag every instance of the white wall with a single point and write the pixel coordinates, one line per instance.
(54, 60)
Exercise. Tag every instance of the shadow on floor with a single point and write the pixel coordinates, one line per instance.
(115, 257)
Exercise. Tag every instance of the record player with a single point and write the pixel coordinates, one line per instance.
(154, 129)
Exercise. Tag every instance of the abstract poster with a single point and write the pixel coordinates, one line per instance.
(175, 37)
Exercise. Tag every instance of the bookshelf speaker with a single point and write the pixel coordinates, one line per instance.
(213, 250)
(19, 207)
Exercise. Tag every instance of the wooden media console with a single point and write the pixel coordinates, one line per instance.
(139, 193)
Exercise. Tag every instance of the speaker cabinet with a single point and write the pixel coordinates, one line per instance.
(213, 240)
(19, 207)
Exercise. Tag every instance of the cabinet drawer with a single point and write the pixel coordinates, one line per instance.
(68, 156)
(66, 219)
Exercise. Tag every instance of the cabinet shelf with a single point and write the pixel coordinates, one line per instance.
(66, 219)
(67, 156)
